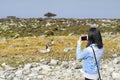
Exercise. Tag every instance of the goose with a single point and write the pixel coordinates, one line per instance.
(51, 42)
(46, 50)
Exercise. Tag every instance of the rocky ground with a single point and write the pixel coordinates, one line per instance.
(57, 70)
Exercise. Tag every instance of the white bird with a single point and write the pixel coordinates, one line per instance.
(46, 50)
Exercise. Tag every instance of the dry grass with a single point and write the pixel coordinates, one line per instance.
(23, 50)
(111, 47)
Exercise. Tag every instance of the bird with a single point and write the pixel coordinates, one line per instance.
(51, 42)
(46, 50)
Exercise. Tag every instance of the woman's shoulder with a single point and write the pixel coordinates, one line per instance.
(88, 49)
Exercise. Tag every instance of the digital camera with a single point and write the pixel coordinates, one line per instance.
(83, 38)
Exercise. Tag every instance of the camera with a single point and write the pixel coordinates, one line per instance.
(83, 38)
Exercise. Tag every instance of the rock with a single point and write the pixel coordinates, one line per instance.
(66, 70)
(26, 71)
(68, 49)
(116, 75)
(16, 78)
(77, 65)
(2, 76)
(114, 55)
(53, 62)
(27, 66)
(6, 67)
(116, 60)
(46, 67)
(19, 72)
(36, 69)
(45, 62)
(2, 79)
(40, 77)
(111, 69)
(64, 64)
(11, 76)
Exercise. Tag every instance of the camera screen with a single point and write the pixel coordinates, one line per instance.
(84, 38)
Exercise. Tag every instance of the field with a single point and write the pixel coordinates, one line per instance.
(21, 38)
(19, 51)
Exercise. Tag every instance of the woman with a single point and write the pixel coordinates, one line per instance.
(95, 42)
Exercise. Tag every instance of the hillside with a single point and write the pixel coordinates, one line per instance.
(13, 27)
(22, 39)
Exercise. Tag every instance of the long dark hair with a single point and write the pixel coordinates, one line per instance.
(94, 37)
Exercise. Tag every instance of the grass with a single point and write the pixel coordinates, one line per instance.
(19, 51)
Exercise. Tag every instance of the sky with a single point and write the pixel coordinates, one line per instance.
(62, 8)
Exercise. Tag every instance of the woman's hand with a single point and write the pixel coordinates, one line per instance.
(79, 40)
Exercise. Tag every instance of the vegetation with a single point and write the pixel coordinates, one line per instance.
(49, 14)
(23, 50)
(12, 28)
(20, 38)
